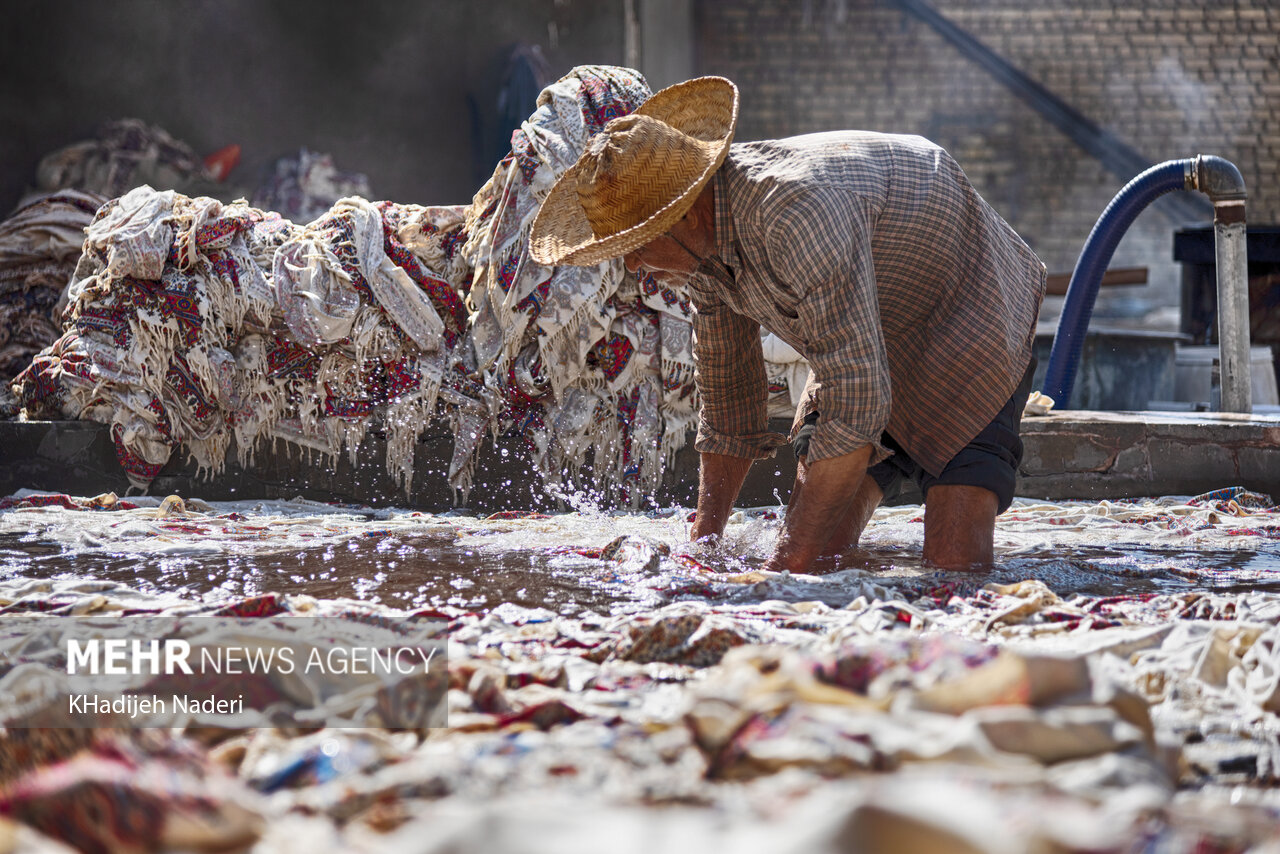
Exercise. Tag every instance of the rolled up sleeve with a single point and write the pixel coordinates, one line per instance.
(733, 419)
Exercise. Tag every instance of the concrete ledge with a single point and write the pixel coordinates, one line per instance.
(1069, 455)
(1095, 455)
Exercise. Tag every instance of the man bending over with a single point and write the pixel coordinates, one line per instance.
(914, 303)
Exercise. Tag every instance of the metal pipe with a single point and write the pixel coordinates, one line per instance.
(1233, 316)
(1221, 181)
(1101, 244)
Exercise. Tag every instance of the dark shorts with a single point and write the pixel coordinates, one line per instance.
(990, 461)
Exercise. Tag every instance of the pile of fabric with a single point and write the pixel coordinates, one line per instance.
(191, 322)
(39, 245)
(124, 154)
(41, 240)
(581, 361)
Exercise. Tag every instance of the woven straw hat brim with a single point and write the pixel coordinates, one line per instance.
(705, 108)
(562, 214)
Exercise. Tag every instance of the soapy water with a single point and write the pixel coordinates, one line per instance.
(606, 561)
(617, 712)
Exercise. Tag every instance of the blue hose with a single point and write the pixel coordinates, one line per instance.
(1064, 358)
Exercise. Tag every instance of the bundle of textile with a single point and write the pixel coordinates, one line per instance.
(126, 792)
(191, 322)
(535, 328)
(302, 186)
(126, 153)
(586, 362)
(589, 362)
(39, 245)
(371, 295)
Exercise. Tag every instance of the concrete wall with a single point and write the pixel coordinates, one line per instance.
(402, 90)
(1170, 78)
(668, 34)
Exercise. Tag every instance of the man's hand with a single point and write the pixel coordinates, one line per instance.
(720, 480)
(820, 503)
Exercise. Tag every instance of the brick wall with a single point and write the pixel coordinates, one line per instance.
(1170, 79)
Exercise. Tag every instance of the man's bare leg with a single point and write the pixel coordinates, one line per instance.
(959, 527)
(846, 530)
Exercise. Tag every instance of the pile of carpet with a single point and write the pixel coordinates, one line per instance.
(197, 325)
(39, 245)
(41, 239)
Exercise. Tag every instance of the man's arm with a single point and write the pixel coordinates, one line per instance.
(732, 416)
(819, 504)
(720, 480)
(819, 250)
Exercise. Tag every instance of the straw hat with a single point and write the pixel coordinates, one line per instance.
(638, 176)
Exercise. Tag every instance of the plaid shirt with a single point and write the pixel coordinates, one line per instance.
(913, 301)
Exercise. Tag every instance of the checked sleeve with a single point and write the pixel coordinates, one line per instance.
(733, 419)
(819, 252)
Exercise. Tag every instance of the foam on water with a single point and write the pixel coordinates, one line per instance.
(561, 561)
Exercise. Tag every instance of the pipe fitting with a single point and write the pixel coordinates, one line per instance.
(1222, 182)
(1219, 179)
